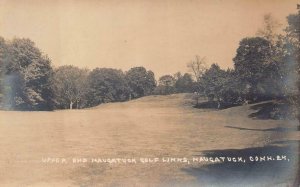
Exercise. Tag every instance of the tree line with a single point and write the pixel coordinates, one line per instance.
(28, 81)
(266, 66)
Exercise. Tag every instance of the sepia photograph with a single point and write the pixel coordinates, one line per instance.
(150, 93)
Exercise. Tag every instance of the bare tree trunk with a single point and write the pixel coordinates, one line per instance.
(196, 97)
(71, 105)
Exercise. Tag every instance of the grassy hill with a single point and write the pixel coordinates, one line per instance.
(149, 127)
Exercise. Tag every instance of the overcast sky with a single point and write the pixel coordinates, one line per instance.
(160, 35)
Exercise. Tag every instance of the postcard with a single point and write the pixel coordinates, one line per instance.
(149, 93)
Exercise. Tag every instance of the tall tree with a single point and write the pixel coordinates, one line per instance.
(166, 85)
(3, 52)
(107, 85)
(184, 83)
(140, 81)
(270, 28)
(27, 77)
(293, 28)
(197, 67)
(293, 37)
(293, 59)
(70, 84)
(212, 82)
(253, 55)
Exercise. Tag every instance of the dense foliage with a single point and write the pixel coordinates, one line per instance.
(26, 76)
(107, 85)
(140, 81)
(70, 85)
(266, 66)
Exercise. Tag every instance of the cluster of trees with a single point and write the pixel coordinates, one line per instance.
(25, 81)
(265, 67)
(177, 83)
(109, 85)
(29, 82)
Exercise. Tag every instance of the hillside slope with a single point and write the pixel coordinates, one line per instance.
(149, 127)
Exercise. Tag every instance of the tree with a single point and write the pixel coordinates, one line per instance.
(253, 55)
(140, 81)
(184, 83)
(212, 82)
(282, 71)
(166, 85)
(3, 52)
(107, 85)
(223, 87)
(293, 28)
(293, 39)
(27, 77)
(269, 31)
(293, 60)
(279, 68)
(233, 91)
(197, 67)
(70, 84)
